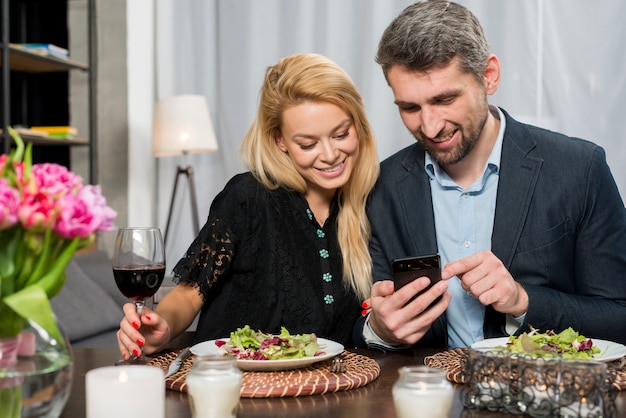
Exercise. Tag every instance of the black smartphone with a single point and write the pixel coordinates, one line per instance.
(407, 269)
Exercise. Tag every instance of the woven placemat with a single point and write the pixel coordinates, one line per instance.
(310, 380)
(453, 362)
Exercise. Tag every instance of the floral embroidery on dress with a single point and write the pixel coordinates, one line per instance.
(322, 246)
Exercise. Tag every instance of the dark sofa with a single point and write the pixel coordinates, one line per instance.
(89, 307)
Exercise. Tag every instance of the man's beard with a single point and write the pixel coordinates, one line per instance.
(460, 150)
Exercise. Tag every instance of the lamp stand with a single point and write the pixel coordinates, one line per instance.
(187, 171)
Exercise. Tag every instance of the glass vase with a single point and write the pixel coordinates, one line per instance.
(35, 374)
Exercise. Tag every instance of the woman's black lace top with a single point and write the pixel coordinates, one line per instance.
(262, 260)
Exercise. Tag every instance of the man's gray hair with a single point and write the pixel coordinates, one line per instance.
(431, 34)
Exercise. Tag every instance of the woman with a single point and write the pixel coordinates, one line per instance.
(286, 243)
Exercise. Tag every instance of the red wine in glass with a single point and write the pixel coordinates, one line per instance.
(138, 283)
(138, 268)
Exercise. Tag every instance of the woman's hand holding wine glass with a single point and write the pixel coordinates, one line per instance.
(138, 268)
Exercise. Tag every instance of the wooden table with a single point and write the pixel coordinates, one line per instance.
(372, 400)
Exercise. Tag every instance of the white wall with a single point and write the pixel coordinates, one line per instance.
(141, 165)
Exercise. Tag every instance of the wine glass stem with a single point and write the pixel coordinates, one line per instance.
(139, 308)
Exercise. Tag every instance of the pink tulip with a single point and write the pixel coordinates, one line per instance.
(55, 180)
(98, 204)
(9, 204)
(83, 214)
(37, 212)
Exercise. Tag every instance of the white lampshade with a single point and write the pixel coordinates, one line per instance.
(182, 125)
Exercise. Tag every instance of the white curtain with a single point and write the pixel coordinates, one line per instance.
(563, 67)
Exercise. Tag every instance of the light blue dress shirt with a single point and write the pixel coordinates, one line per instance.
(463, 224)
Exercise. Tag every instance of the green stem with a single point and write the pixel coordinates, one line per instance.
(53, 281)
(19, 144)
(11, 323)
(9, 260)
(42, 259)
(11, 401)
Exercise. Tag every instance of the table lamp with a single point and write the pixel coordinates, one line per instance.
(182, 125)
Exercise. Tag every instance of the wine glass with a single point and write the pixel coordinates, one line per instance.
(138, 268)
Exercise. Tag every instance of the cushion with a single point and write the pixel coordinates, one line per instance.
(82, 307)
(97, 265)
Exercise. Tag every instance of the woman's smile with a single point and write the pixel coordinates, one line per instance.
(332, 171)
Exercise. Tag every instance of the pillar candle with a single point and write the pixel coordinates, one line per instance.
(125, 392)
(422, 392)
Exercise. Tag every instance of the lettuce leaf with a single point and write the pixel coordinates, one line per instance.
(248, 344)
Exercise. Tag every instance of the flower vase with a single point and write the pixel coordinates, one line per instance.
(35, 373)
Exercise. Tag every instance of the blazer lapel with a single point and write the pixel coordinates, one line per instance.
(518, 176)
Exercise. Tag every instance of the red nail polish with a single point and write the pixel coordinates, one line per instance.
(365, 305)
(140, 343)
(135, 325)
(136, 353)
(148, 317)
(364, 312)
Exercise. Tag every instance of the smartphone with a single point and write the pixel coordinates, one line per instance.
(407, 269)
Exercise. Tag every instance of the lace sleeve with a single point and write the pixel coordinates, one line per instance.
(208, 258)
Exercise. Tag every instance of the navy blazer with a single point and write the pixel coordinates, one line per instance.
(559, 228)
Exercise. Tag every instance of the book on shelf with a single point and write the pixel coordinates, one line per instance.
(56, 130)
(61, 136)
(45, 49)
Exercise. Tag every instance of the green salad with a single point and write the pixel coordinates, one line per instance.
(568, 344)
(247, 344)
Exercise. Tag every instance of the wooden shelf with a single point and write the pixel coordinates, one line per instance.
(29, 62)
(47, 140)
(39, 140)
(32, 80)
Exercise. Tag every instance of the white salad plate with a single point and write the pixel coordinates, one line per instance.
(609, 350)
(329, 348)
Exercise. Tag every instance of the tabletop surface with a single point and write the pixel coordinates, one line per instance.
(372, 400)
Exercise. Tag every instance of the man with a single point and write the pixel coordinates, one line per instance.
(529, 223)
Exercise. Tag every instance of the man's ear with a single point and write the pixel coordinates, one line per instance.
(491, 76)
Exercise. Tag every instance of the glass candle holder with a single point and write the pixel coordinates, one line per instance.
(582, 389)
(539, 385)
(490, 383)
(423, 389)
(214, 385)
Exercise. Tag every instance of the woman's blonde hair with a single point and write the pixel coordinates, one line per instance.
(314, 78)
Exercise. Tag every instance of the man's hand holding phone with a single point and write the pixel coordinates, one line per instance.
(407, 269)
(403, 314)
